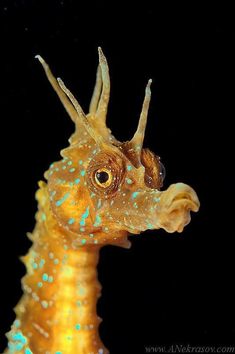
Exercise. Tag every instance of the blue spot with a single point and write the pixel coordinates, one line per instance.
(58, 352)
(134, 195)
(64, 167)
(129, 167)
(18, 336)
(28, 351)
(43, 217)
(35, 265)
(97, 220)
(83, 172)
(41, 263)
(50, 279)
(80, 162)
(129, 181)
(69, 163)
(71, 221)
(156, 199)
(92, 195)
(72, 169)
(45, 277)
(60, 201)
(150, 226)
(83, 241)
(40, 284)
(78, 326)
(82, 229)
(19, 346)
(16, 323)
(84, 216)
(77, 180)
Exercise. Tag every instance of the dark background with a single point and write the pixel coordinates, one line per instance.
(166, 289)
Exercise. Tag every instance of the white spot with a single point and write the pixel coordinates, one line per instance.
(40, 330)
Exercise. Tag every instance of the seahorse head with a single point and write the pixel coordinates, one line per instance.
(106, 188)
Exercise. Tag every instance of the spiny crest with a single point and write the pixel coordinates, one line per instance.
(92, 126)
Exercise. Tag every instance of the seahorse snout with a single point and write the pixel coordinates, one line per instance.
(175, 206)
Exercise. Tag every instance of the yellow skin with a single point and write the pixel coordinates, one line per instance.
(100, 192)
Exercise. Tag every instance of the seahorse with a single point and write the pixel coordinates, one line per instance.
(101, 191)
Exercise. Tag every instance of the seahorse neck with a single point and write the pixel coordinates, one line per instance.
(58, 309)
(75, 326)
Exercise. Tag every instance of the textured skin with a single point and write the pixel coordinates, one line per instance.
(99, 192)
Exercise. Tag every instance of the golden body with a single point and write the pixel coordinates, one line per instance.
(100, 191)
(58, 308)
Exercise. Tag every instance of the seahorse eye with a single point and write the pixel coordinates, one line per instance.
(103, 177)
(162, 171)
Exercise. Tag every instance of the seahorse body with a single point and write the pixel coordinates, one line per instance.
(98, 193)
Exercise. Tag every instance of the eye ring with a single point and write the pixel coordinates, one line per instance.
(103, 177)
